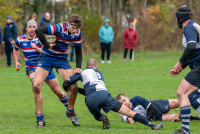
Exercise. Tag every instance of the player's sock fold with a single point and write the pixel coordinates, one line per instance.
(70, 111)
(40, 116)
(185, 115)
(64, 100)
(141, 119)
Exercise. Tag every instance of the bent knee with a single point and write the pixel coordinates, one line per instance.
(36, 87)
(73, 88)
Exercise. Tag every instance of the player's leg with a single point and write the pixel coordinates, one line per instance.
(71, 95)
(170, 117)
(173, 103)
(39, 77)
(184, 90)
(120, 108)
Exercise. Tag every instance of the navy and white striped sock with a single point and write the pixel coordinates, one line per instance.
(185, 115)
(64, 100)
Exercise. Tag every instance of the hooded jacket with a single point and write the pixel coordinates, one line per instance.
(106, 33)
(45, 22)
(10, 32)
(130, 38)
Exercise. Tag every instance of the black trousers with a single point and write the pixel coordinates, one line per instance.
(126, 51)
(9, 51)
(105, 47)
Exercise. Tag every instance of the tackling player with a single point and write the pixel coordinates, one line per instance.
(151, 110)
(98, 97)
(56, 57)
(191, 57)
(31, 56)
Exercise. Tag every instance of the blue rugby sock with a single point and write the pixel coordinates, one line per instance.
(185, 115)
(40, 116)
(64, 100)
(70, 111)
(141, 119)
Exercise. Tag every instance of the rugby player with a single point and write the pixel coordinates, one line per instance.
(98, 97)
(191, 57)
(159, 110)
(56, 57)
(31, 56)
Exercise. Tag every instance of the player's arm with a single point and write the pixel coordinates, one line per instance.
(71, 80)
(40, 34)
(16, 55)
(35, 47)
(127, 119)
(78, 51)
(151, 109)
(81, 91)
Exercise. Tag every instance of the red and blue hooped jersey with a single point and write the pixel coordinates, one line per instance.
(63, 39)
(31, 55)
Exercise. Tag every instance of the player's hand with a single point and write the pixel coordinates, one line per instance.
(51, 45)
(173, 72)
(33, 45)
(77, 71)
(12, 42)
(178, 67)
(176, 120)
(3, 42)
(130, 120)
(17, 65)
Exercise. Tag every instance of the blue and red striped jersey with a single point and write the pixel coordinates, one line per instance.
(31, 55)
(63, 39)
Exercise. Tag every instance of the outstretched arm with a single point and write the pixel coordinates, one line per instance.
(71, 80)
(40, 34)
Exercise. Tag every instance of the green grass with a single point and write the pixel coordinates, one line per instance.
(147, 76)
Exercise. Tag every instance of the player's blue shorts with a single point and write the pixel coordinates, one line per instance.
(51, 75)
(162, 107)
(47, 62)
(100, 99)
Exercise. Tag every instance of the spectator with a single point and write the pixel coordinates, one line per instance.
(10, 35)
(32, 16)
(130, 39)
(1, 39)
(72, 53)
(47, 20)
(106, 35)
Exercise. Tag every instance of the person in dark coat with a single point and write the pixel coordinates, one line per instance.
(47, 20)
(10, 35)
(130, 39)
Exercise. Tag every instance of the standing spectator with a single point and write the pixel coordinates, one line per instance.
(47, 20)
(72, 53)
(1, 39)
(33, 16)
(130, 39)
(106, 35)
(10, 35)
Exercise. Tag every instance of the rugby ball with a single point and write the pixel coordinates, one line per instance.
(50, 39)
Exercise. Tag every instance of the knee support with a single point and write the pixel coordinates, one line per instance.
(117, 107)
(151, 111)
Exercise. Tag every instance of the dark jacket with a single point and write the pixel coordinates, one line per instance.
(10, 32)
(46, 22)
(1, 36)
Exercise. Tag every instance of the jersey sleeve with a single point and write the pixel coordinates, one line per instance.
(17, 45)
(39, 45)
(78, 40)
(141, 101)
(73, 79)
(56, 29)
(190, 35)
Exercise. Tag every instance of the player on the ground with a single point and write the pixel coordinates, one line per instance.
(191, 57)
(98, 97)
(160, 111)
(56, 57)
(31, 56)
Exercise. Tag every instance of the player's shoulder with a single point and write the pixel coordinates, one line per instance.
(22, 37)
(190, 26)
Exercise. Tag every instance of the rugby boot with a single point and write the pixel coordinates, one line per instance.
(73, 118)
(106, 124)
(157, 127)
(181, 131)
(193, 117)
(40, 123)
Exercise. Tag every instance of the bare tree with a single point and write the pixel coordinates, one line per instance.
(88, 5)
(99, 6)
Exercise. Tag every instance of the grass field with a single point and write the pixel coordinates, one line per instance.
(147, 76)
